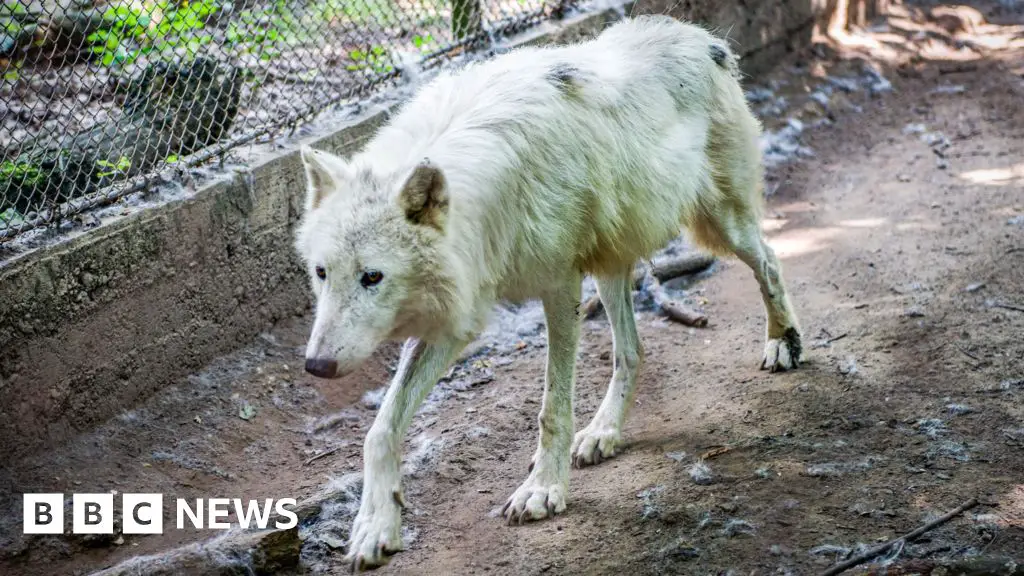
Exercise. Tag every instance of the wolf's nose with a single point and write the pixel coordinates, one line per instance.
(321, 367)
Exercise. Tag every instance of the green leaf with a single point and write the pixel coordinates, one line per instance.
(247, 411)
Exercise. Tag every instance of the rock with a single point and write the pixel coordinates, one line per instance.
(277, 551)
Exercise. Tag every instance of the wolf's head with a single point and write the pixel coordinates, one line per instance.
(368, 242)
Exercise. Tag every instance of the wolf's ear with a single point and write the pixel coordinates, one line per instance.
(322, 171)
(424, 196)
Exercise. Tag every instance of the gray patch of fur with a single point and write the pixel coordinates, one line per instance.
(719, 54)
(735, 527)
(931, 427)
(949, 449)
(565, 78)
(834, 469)
(701, 473)
(651, 509)
(959, 409)
(676, 456)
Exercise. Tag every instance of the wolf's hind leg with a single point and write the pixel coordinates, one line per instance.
(783, 342)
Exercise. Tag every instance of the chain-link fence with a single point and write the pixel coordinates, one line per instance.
(99, 96)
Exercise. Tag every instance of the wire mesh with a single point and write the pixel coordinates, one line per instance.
(99, 96)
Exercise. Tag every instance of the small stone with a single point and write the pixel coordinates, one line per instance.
(277, 552)
(913, 312)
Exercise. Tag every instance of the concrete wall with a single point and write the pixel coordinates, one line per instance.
(95, 323)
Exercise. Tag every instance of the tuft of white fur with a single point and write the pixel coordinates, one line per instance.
(700, 473)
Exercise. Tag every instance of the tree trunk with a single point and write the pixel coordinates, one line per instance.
(837, 16)
(467, 19)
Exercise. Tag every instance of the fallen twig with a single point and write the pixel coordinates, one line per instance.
(716, 451)
(828, 341)
(683, 314)
(1009, 307)
(669, 268)
(966, 353)
(673, 309)
(662, 269)
(321, 455)
(977, 566)
(909, 536)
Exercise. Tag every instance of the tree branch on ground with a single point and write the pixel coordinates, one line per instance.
(648, 278)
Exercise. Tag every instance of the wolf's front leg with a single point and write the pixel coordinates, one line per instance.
(377, 530)
(546, 489)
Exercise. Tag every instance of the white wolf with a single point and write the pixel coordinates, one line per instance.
(511, 180)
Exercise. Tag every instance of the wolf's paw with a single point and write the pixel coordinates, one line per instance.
(594, 443)
(781, 354)
(377, 531)
(535, 499)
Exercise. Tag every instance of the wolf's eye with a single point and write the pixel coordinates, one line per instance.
(321, 273)
(371, 278)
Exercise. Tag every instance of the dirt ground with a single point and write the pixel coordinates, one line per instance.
(901, 231)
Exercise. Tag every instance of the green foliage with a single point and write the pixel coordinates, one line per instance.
(380, 12)
(182, 26)
(170, 27)
(266, 32)
(21, 172)
(423, 42)
(13, 71)
(111, 168)
(132, 30)
(113, 44)
(375, 59)
(14, 8)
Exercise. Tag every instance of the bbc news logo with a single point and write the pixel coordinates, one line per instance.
(144, 513)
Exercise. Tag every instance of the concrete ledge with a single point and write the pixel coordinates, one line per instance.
(95, 323)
